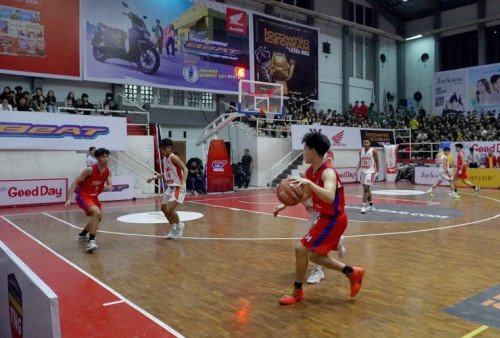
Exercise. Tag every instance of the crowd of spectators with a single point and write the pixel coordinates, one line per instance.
(22, 100)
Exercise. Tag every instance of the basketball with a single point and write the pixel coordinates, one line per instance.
(289, 193)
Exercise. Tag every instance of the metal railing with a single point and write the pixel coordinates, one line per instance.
(282, 164)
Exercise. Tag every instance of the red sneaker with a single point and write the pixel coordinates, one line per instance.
(292, 296)
(356, 277)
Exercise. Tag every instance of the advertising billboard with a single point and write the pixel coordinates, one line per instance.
(286, 53)
(36, 40)
(165, 43)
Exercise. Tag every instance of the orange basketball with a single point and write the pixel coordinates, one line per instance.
(289, 193)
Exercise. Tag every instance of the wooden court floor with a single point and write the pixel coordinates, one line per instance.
(225, 276)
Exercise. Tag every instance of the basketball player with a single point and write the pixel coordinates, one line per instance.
(445, 173)
(88, 186)
(462, 169)
(322, 184)
(368, 162)
(317, 272)
(175, 175)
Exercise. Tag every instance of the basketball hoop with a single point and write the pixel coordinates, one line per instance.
(269, 112)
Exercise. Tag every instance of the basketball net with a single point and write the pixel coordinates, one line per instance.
(269, 112)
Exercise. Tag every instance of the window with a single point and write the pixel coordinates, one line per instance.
(178, 97)
(358, 57)
(493, 44)
(360, 14)
(368, 17)
(307, 4)
(207, 100)
(459, 51)
(360, 18)
(131, 93)
(193, 99)
(163, 96)
(350, 56)
(369, 58)
(147, 95)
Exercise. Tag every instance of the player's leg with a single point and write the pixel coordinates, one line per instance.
(175, 199)
(95, 218)
(296, 294)
(366, 194)
(316, 273)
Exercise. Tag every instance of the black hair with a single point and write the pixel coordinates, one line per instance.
(101, 152)
(446, 149)
(84, 95)
(366, 139)
(91, 148)
(459, 145)
(165, 143)
(471, 149)
(317, 141)
(494, 78)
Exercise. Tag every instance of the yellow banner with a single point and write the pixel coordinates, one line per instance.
(484, 178)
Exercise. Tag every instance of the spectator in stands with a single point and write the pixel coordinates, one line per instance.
(473, 158)
(51, 100)
(5, 105)
(85, 105)
(195, 182)
(364, 110)
(70, 100)
(5, 93)
(19, 93)
(305, 104)
(105, 110)
(11, 97)
(38, 93)
(78, 103)
(91, 160)
(240, 178)
(491, 160)
(38, 104)
(356, 109)
(372, 112)
(23, 105)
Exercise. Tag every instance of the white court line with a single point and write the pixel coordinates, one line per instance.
(113, 303)
(97, 281)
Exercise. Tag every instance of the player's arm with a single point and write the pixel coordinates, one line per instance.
(446, 166)
(375, 157)
(359, 163)
(177, 161)
(109, 182)
(155, 177)
(325, 193)
(85, 173)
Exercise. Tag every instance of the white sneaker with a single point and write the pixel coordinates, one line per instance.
(179, 230)
(363, 209)
(476, 191)
(91, 246)
(341, 247)
(429, 192)
(316, 276)
(171, 233)
(455, 195)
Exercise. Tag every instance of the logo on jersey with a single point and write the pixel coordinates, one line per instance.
(337, 138)
(218, 165)
(308, 238)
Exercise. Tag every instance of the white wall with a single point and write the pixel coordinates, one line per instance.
(388, 71)
(330, 70)
(269, 151)
(192, 134)
(419, 75)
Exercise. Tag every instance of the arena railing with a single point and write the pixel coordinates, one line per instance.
(134, 118)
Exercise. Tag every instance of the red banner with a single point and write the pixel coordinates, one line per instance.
(40, 37)
(219, 171)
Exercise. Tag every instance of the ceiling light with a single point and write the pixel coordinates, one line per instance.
(414, 37)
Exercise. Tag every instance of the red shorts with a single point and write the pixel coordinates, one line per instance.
(85, 202)
(462, 173)
(324, 236)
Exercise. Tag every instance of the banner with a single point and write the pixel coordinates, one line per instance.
(342, 137)
(123, 189)
(484, 178)
(33, 191)
(467, 89)
(34, 130)
(190, 47)
(286, 53)
(428, 176)
(480, 147)
(29, 307)
(38, 39)
(391, 169)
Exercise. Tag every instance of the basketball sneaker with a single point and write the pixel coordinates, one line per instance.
(292, 296)
(341, 247)
(91, 246)
(82, 238)
(476, 191)
(455, 195)
(355, 278)
(178, 231)
(363, 209)
(429, 192)
(316, 276)
(171, 233)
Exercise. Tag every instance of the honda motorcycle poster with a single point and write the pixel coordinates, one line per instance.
(36, 40)
(165, 43)
(286, 53)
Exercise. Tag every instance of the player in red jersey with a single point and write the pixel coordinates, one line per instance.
(88, 186)
(462, 169)
(327, 192)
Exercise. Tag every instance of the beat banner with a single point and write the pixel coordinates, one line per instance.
(37, 40)
(391, 169)
(286, 53)
(181, 44)
(219, 171)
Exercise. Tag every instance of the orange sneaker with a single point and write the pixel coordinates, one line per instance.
(356, 277)
(292, 296)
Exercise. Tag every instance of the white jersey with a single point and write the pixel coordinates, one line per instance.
(443, 164)
(172, 173)
(367, 160)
